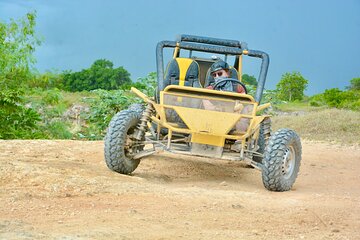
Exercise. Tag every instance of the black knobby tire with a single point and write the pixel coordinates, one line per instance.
(264, 135)
(137, 107)
(121, 126)
(281, 161)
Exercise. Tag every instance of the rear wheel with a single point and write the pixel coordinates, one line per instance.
(120, 147)
(281, 161)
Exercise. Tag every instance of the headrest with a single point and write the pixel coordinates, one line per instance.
(182, 71)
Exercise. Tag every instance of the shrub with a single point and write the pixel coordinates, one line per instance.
(314, 103)
(16, 120)
(58, 130)
(342, 99)
(333, 97)
(146, 84)
(103, 108)
(52, 96)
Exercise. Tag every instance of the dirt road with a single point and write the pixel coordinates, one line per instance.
(63, 190)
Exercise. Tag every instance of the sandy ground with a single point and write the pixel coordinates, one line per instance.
(63, 190)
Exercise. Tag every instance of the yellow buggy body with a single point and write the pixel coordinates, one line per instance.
(208, 131)
(192, 114)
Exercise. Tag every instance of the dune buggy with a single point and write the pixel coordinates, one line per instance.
(177, 120)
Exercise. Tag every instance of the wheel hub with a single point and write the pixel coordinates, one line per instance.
(288, 162)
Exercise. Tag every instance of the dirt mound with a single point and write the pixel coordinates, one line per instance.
(63, 190)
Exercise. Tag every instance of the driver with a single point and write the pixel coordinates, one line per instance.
(220, 70)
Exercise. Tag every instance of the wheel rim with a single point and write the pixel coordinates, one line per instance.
(288, 165)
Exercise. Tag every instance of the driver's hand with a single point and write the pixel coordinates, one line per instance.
(238, 107)
(240, 89)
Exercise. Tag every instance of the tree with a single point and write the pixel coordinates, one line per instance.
(249, 80)
(291, 86)
(18, 41)
(101, 75)
(17, 45)
(354, 84)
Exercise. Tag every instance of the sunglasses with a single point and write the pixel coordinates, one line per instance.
(219, 74)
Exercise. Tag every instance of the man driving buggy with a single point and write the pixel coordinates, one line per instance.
(220, 71)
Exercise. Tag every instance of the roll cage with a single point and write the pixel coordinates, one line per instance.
(212, 45)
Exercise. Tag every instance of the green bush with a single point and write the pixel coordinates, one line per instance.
(147, 84)
(351, 100)
(103, 108)
(16, 120)
(52, 96)
(333, 97)
(271, 96)
(58, 130)
(336, 98)
(314, 103)
(342, 99)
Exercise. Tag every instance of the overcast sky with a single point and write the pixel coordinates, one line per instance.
(320, 39)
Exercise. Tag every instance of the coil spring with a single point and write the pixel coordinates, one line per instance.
(142, 127)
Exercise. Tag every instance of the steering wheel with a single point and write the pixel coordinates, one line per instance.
(220, 85)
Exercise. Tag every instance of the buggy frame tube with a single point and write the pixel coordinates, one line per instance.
(263, 71)
(209, 40)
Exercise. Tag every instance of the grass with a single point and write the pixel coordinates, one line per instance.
(296, 107)
(53, 97)
(77, 97)
(334, 125)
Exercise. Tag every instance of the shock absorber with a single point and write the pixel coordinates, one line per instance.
(142, 126)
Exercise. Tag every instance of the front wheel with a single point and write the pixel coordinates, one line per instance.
(264, 135)
(281, 161)
(119, 144)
